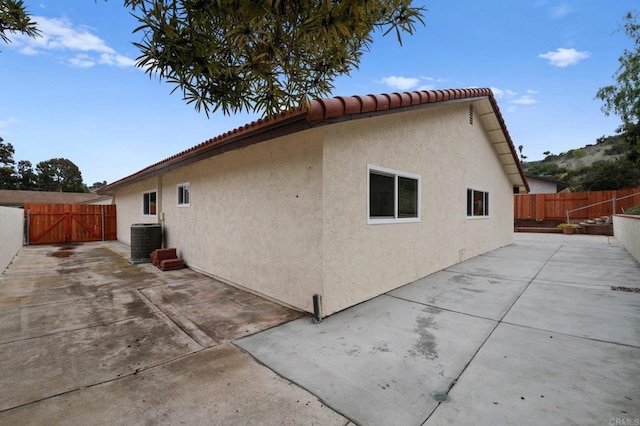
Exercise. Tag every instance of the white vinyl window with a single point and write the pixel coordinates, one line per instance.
(477, 203)
(149, 200)
(184, 195)
(393, 196)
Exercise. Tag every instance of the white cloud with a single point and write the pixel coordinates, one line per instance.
(86, 49)
(501, 93)
(117, 60)
(561, 11)
(82, 61)
(498, 93)
(400, 83)
(524, 100)
(564, 57)
(8, 122)
(513, 99)
(426, 87)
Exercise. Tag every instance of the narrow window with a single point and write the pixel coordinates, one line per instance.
(149, 203)
(393, 196)
(184, 195)
(477, 203)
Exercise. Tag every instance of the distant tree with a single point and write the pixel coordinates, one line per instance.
(607, 175)
(7, 176)
(61, 175)
(97, 185)
(26, 179)
(546, 153)
(623, 98)
(14, 18)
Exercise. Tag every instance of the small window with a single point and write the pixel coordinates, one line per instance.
(477, 203)
(149, 203)
(183, 195)
(393, 196)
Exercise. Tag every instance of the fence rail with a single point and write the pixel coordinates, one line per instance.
(555, 206)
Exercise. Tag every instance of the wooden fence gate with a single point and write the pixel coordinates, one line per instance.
(69, 223)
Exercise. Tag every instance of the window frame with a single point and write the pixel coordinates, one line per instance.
(179, 190)
(486, 206)
(395, 174)
(144, 195)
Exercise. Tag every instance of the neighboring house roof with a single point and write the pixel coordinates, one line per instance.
(99, 199)
(330, 110)
(560, 185)
(19, 198)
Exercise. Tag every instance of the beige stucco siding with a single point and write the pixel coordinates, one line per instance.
(129, 207)
(364, 260)
(254, 218)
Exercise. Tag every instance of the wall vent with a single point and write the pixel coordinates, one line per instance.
(471, 114)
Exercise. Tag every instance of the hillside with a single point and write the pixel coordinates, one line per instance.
(600, 166)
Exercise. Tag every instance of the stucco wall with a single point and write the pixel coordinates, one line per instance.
(362, 260)
(537, 186)
(626, 229)
(129, 206)
(254, 218)
(288, 218)
(11, 234)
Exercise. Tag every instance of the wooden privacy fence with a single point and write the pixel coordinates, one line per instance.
(69, 223)
(555, 206)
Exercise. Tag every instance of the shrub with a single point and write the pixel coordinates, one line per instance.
(633, 210)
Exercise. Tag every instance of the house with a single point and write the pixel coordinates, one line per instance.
(347, 198)
(15, 198)
(545, 185)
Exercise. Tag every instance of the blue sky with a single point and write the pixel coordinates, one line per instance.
(77, 94)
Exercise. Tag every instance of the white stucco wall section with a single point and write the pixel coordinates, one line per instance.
(538, 186)
(287, 218)
(254, 218)
(129, 206)
(626, 229)
(11, 234)
(362, 261)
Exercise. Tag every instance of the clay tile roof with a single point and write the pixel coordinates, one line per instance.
(316, 112)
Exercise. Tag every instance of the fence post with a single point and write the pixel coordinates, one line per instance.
(27, 226)
(567, 216)
(102, 224)
(614, 205)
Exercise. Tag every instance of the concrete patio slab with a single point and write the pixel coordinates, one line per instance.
(528, 251)
(527, 376)
(469, 294)
(377, 363)
(594, 312)
(28, 322)
(86, 270)
(136, 345)
(595, 273)
(220, 386)
(39, 368)
(82, 342)
(610, 257)
(497, 267)
(517, 361)
(189, 305)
